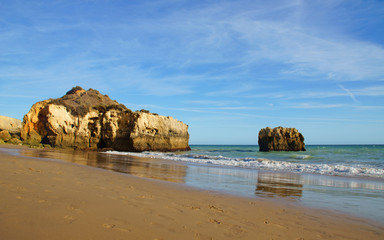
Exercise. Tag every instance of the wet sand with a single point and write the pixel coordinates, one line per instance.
(45, 199)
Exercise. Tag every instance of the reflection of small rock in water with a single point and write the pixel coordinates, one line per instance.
(280, 184)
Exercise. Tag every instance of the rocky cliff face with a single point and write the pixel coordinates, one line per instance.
(280, 139)
(10, 130)
(89, 120)
(11, 125)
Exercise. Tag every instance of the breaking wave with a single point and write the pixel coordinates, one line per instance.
(266, 164)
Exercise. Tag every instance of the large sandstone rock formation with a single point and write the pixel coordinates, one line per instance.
(10, 130)
(89, 120)
(5, 136)
(12, 125)
(280, 139)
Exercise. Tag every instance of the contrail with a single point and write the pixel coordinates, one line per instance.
(349, 93)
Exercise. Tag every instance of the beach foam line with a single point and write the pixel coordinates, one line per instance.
(265, 164)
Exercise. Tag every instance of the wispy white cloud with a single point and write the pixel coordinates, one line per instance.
(370, 108)
(213, 110)
(368, 91)
(372, 91)
(310, 55)
(349, 93)
(246, 59)
(212, 103)
(269, 95)
(152, 107)
(233, 88)
(228, 39)
(317, 106)
(16, 96)
(240, 108)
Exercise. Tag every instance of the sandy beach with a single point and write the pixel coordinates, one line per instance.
(46, 199)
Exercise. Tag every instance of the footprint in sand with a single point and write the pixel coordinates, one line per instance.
(34, 170)
(73, 213)
(146, 196)
(166, 217)
(116, 225)
(216, 208)
(108, 226)
(175, 209)
(192, 207)
(214, 221)
(69, 219)
(266, 221)
(74, 209)
(19, 189)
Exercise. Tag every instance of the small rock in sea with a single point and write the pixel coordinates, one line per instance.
(280, 139)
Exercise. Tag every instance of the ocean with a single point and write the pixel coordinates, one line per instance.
(335, 160)
(344, 178)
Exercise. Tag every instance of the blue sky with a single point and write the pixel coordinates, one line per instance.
(226, 68)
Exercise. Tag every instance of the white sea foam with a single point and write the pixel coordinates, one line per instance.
(302, 156)
(265, 164)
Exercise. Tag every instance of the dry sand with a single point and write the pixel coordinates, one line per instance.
(43, 199)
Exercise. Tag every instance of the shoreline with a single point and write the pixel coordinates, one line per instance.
(357, 196)
(47, 199)
(213, 165)
(312, 161)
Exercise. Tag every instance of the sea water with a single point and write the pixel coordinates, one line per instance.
(345, 178)
(338, 160)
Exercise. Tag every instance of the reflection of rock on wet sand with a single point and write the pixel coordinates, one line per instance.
(149, 168)
(280, 184)
(141, 167)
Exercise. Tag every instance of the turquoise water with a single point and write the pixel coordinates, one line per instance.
(348, 179)
(335, 160)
